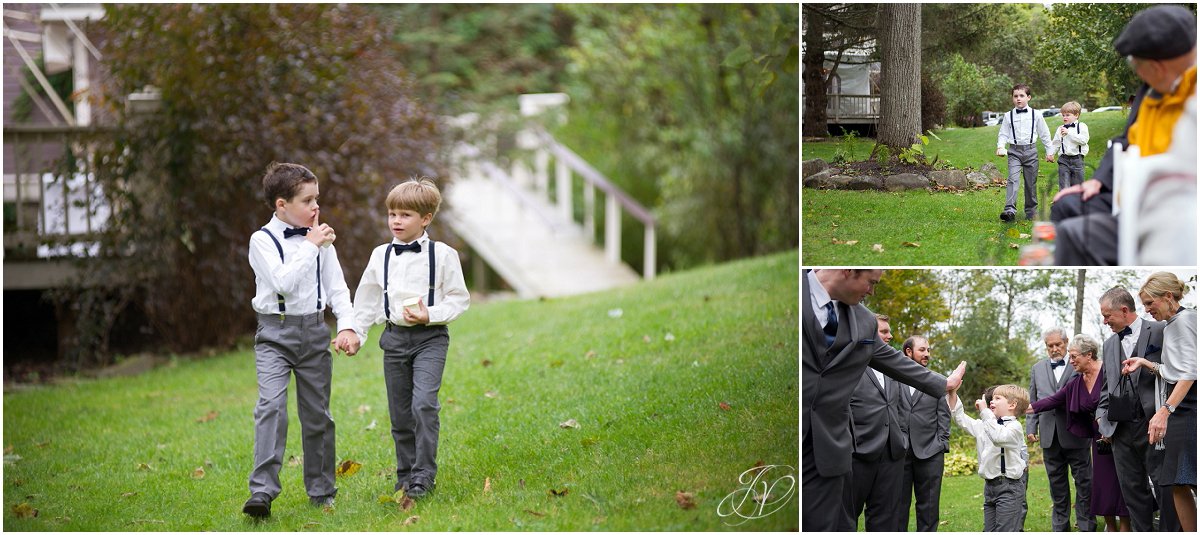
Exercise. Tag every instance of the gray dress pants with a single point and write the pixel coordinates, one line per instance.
(300, 345)
(1004, 504)
(1022, 161)
(413, 360)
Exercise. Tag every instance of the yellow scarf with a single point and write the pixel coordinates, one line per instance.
(1156, 117)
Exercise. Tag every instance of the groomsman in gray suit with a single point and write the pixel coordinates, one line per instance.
(880, 443)
(1060, 448)
(928, 441)
(1133, 455)
(839, 341)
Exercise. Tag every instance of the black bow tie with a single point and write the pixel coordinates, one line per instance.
(1057, 363)
(1023, 110)
(1124, 332)
(1072, 125)
(298, 231)
(1000, 421)
(413, 247)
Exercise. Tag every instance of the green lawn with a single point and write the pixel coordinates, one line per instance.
(694, 382)
(951, 228)
(961, 504)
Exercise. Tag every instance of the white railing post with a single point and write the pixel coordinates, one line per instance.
(589, 211)
(649, 251)
(562, 183)
(541, 166)
(612, 229)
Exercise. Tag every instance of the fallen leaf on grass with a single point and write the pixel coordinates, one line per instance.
(724, 406)
(535, 513)
(212, 415)
(556, 363)
(129, 494)
(487, 484)
(371, 425)
(11, 458)
(485, 364)
(363, 409)
(559, 493)
(589, 354)
(143, 467)
(24, 510)
(877, 248)
(1013, 246)
(669, 337)
(490, 394)
(910, 244)
(1024, 236)
(646, 338)
(310, 525)
(8, 449)
(348, 468)
(836, 241)
(198, 473)
(685, 500)
(589, 442)
(295, 461)
(410, 520)
(569, 424)
(615, 313)
(406, 503)
(42, 444)
(1012, 233)
(522, 483)
(943, 523)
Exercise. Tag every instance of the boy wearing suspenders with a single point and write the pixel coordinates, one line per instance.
(415, 286)
(297, 276)
(1018, 127)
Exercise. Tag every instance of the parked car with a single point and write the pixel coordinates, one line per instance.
(1106, 108)
(1050, 112)
(991, 118)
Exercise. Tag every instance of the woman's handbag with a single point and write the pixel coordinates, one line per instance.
(1124, 404)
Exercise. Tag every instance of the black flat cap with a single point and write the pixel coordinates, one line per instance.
(1160, 32)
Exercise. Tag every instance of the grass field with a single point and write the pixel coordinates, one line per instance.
(960, 229)
(693, 382)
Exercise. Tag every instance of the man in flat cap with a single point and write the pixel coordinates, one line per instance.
(1160, 45)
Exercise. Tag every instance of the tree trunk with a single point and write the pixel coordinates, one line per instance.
(1079, 301)
(900, 73)
(815, 121)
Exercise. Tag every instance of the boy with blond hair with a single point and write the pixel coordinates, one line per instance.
(1071, 144)
(1000, 445)
(416, 287)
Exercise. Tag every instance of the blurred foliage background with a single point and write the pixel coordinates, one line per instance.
(692, 109)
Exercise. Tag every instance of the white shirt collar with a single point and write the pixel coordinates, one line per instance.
(820, 296)
(424, 238)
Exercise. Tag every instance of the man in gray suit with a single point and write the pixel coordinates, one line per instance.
(928, 441)
(1060, 448)
(1133, 455)
(839, 341)
(880, 442)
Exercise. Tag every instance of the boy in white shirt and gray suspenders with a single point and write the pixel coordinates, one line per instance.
(415, 286)
(1071, 144)
(297, 276)
(1018, 128)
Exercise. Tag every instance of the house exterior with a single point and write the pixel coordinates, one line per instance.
(853, 89)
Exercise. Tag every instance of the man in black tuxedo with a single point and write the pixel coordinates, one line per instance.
(840, 340)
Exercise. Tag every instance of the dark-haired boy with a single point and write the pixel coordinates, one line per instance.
(297, 276)
(1018, 128)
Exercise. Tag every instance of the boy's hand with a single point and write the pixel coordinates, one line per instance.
(421, 316)
(1062, 131)
(1000, 152)
(1031, 438)
(980, 404)
(1049, 157)
(320, 234)
(347, 341)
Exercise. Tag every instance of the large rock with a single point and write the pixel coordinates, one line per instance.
(864, 182)
(821, 180)
(991, 171)
(812, 167)
(975, 179)
(904, 181)
(949, 179)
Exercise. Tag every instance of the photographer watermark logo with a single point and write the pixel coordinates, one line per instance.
(766, 489)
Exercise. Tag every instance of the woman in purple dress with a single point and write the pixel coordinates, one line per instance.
(1079, 397)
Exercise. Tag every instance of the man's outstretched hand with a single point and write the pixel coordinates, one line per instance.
(955, 379)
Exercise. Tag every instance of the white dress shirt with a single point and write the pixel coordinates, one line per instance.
(991, 438)
(1074, 143)
(408, 276)
(295, 277)
(820, 298)
(1129, 343)
(1024, 125)
(1058, 370)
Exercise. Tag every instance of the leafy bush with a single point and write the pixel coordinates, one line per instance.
(242, 85)
(961, 464)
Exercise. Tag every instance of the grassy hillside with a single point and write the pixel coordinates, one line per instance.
(693, 382)
(951, 228)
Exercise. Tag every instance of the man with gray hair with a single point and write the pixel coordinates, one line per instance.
(1061, 449)
(1133, 455)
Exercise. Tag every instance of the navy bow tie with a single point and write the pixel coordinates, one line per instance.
(413, 247)
(298, 231)
(1057, 363)
(1124, 332)
(1072, 125)
(1023, 110)
(1000, 421)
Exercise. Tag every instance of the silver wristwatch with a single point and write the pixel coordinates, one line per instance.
(1170, 408)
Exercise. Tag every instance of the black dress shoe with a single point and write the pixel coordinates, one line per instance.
(1007, 216)
(417, 491)
(321, 501)
(258, 506)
